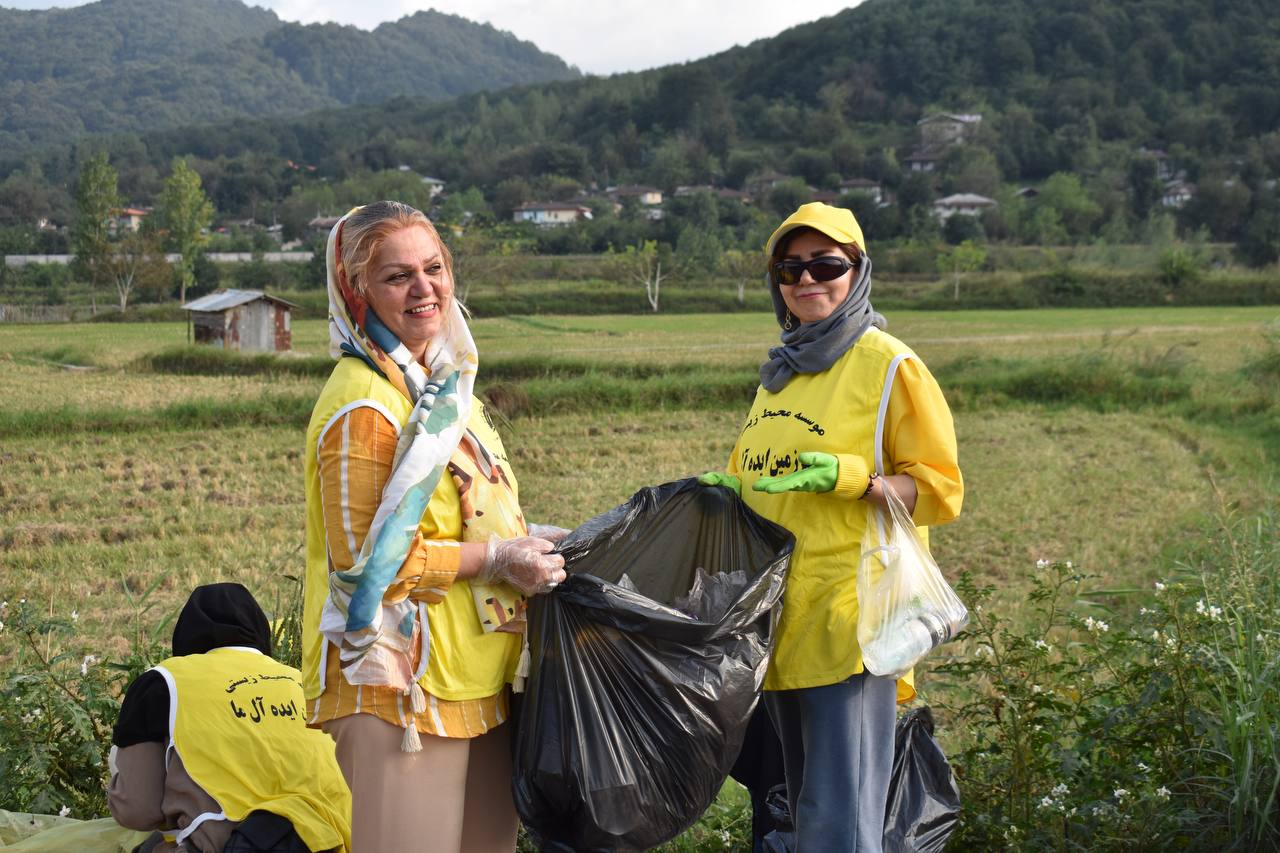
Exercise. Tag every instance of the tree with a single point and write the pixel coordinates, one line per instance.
(182, 217)
(1076, 210)
(743, 268)
(1144, 185)
(648, 264)
(97, 202)
(136, 263)
(967, 257)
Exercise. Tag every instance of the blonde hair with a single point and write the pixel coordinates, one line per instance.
(365, 231)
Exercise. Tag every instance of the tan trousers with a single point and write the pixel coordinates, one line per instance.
(453, 797)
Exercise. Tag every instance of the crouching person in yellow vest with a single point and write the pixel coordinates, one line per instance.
(212, 748)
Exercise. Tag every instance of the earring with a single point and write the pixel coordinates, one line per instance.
(786, 323)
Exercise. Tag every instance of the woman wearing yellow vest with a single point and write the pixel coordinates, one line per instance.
(211, 748)
(419, 558)
(844, 411)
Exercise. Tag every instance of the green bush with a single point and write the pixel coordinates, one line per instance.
(1083, 726)
(58, 703)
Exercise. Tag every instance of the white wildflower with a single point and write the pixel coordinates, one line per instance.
(1256, 639)
(1042, 564)
(1155, 661)
(89, 660)
(1069, 564)
(75, 615)
(64, 811)
(1060, 790)
(1145, 611)
(1215, 613)
(1097, 810)
(1143, 767)
(1155, 635)
(1159, 587)
(22, 601)
(1043, 646)
(1200, 607)
(1036, 688)
(1096, 626)
(1162, 792)
(1121, 794)
(1, 626)
(1048, 803)
(1170, 643)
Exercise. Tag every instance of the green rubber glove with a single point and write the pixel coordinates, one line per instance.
(819, 474)
(719, 478)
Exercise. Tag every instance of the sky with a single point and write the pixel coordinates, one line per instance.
(599, 37)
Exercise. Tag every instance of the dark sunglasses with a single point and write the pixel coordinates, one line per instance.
(825, 268)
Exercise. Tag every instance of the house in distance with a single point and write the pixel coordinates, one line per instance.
(247, 320)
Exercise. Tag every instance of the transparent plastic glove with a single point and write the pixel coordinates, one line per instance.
(719, 478)
(819, 474)
(549, 532)
(524, 562)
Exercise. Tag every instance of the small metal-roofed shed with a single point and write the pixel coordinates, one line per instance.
(242, 320)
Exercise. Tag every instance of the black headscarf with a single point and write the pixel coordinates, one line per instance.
(216, 615)
(221, 614)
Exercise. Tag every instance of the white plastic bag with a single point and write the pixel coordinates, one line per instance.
(905, 606)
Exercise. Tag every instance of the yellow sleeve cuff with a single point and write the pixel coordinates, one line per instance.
(439, 560)
(851, 481)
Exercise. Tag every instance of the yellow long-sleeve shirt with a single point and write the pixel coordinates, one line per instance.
(835, 412)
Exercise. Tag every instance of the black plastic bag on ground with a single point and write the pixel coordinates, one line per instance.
(924, 800)
(634, 711)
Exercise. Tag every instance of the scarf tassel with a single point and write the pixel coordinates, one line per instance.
(411, 741)
(418, 704)
(522, 668)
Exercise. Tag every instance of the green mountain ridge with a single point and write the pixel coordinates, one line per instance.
(141, 65)
(1101, 104)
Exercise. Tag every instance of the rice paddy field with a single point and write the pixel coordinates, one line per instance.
(1106, 437)
(1094, 435)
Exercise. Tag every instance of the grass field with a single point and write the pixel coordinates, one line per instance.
(100, 480)
(1098, 436)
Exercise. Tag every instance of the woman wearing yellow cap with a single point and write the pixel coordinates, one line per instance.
(844, 411)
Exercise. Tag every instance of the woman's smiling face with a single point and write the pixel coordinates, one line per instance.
(810, 301)
(409, 287)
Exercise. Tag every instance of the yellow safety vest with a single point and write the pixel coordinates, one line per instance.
(464, 661)
(836, 411)
(237, 719)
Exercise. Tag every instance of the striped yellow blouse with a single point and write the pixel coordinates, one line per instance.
(352, 474)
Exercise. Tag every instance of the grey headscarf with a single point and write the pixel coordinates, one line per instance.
(813, 347)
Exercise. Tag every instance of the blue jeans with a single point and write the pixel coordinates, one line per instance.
(837, 748)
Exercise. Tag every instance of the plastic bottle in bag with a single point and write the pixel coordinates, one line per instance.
(909, 638)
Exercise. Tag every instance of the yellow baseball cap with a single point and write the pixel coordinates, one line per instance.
(836, 222)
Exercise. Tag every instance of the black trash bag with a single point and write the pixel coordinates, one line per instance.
(924, 800)
(783, 838)
(634, 711)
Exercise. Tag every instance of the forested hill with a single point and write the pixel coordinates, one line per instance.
(1055, 81)
(140, 65)
(1085, 87)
